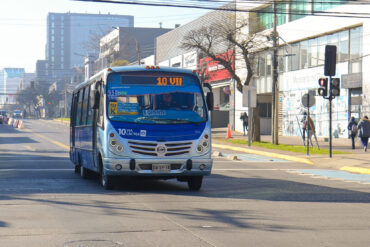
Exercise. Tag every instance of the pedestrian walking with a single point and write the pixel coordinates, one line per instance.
(244, 118)
(309, 126)
(303, 122)
(364, 131)
(352, 130)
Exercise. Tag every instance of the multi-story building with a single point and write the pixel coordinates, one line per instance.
(10, 79)
(27, 80)
(71, 36)
(128, 43)
(304, 29)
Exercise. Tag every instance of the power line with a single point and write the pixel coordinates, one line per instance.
(229, 8)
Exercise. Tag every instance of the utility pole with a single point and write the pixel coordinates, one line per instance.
(275, 86)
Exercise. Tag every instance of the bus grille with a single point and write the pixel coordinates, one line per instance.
(150, 149)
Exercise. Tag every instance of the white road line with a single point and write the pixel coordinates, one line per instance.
(35, 170)
(20, 160)
(250, 169)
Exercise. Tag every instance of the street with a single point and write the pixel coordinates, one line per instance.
(255, 201)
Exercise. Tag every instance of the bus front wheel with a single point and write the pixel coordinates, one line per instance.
(194, 183)
(106, 182)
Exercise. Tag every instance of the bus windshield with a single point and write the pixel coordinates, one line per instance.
(155, 98)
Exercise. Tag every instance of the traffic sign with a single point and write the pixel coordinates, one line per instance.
(308, 100)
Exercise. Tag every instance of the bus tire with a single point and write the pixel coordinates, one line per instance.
(194, 183)
(84, 172)
(106, 182)
(77, 169)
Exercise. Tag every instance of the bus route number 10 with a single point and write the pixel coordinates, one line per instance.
(169, 81)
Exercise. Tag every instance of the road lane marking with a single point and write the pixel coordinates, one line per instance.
(250, 169)
(35, 160)
(34, 170)
(29, 148)
(50, 140)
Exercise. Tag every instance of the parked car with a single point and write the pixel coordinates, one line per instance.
(2, 116)
(17, 114)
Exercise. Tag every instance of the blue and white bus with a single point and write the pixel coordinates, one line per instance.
(142, 121)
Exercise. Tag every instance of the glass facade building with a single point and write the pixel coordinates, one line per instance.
(71, 36)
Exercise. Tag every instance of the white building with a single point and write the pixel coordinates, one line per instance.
(305, 28)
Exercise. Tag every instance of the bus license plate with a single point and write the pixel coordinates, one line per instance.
(161, 168)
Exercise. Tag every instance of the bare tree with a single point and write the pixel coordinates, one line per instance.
(217, 39)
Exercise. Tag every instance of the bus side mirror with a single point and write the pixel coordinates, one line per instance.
(209, 100)
(207, 89)
(95, 100)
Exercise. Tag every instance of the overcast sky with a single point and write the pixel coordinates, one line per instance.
(23, 24)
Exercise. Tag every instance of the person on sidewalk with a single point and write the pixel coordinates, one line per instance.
(364, 131)
(303, 121)
(244, 118)
(309, 126)
(352, 130)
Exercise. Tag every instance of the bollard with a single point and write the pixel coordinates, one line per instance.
(20, 124)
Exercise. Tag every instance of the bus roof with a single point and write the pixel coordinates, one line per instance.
(104, 72)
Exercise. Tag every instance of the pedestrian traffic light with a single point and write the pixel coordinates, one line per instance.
(323, 90)
(335, 87)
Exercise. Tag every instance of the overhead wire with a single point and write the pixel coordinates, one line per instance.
(185, 4)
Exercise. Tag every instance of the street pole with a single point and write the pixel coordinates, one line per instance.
(330, 119)
(275, 90)
(249, 117)
(308, 125)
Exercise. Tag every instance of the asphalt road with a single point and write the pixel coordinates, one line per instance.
(243, 203)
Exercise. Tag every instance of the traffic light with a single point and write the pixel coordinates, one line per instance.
(323, 90)
(335, 87)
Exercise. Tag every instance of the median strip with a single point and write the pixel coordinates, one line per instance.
(268, 154)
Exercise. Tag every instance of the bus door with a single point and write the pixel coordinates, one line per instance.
(73, 126)
(96, 104)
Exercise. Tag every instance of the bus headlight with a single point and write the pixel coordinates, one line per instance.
(203, 145)
(115, 145)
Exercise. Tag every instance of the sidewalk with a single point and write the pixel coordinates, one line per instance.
(357, 161)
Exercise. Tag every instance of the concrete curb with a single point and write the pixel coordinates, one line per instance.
(268, 154)
(354, 169)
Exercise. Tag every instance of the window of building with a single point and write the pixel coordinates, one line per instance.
(320, 5)
(342, 50)
(322, 42)
(261, 65)
(268, 64)
(225, 98)
(312, 52)
(298, 9)
(355, 50)
(304, 55)
(265, 110)
(265, 16)
(295, 57)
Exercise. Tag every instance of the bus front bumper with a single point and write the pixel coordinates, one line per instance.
(158, 167)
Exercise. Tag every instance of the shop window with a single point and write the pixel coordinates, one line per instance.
(225, 98)
(265, 110)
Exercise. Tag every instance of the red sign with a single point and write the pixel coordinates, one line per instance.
(214, 70)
